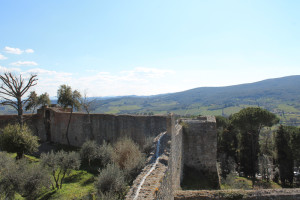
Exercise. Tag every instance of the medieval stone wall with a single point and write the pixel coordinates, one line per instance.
(200, 147)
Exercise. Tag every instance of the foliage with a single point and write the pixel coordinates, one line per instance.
(128, 157)
(111, 181)
(250, 121)
(12, 90)
(19, 139)
(89, 151)
(60, 164)
(106, 152)
(284, 155)
(21, 177)
(67, 97)
(34, 101)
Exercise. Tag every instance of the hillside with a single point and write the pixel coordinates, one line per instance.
(280, 95)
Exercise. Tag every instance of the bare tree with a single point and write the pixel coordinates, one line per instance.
(87, 104)
(12, 90)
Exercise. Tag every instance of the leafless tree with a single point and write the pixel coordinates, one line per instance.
(13, 88)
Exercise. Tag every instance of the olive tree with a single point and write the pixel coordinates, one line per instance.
(68, 98)
(60, 165)
(19, 139)
(34, 101)
(13, 89)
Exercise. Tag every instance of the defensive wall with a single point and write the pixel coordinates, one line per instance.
(178, 146)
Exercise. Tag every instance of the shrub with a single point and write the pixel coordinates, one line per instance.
(89, 151)
(128, 157)
(19, 139)
(105, 153)
(147, 145)
(21, 177)
(9, 177)
(61, 164)
(111, 182)
(34, 179)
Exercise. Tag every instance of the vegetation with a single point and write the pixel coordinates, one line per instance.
(262, 154)
(111, 183)
(34, 101)
(60, 164)
(19, 139)
(249, 122)
(27, 179)
(12, 90)
(66, 98)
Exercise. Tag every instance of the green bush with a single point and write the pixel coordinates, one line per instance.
(60, 164)
(111, 182)
(19, 139)
(89, 151)
(105, 153)
(21, 177)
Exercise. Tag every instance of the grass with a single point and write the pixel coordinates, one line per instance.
(79, 184)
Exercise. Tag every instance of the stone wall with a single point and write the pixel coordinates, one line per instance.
(200, 147)
(267, 194)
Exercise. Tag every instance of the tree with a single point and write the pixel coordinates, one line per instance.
(89, 151)
(66, 98)
(87, 104)
(22, 177)
(60, 164)
(19, 139)
(12, 90)
(250, 121)
(284, 155)
(34, 101)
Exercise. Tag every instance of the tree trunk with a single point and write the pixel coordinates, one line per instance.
(67, 133)
(20, 111)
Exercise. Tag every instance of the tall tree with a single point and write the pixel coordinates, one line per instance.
(68, 98)
(250, 121)
(284, 155)
(12, 90)
(34, 101)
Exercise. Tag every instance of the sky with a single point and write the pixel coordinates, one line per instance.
(142, 47)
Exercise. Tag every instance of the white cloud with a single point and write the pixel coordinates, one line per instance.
(29, 51)
(17, 50)
(13, 50)
(2, 57)
(5, 69)
(24, 63)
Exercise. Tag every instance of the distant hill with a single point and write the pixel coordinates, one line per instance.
(279, 95)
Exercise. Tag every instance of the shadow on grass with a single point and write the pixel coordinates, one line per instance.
(75, 177)
(48, 195)
(88, 181)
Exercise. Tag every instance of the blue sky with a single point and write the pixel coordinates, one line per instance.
(144, 47)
